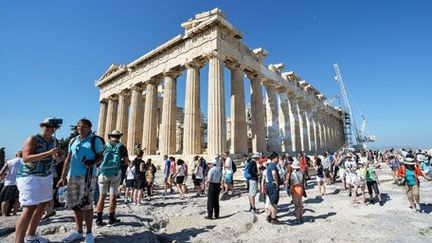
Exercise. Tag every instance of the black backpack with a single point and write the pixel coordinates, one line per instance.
(234, 167)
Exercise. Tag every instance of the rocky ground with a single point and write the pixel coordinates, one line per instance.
(330, 219)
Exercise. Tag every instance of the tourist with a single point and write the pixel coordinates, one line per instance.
(130, 182)
(150, 171)
(320, 177)
(304, 164)
(297, 184)
(198, 176)
(206, 169)
(166, 173)
(252, 181)
(115, 154)
(272, 187)
(410, 173)
(9, 193)
(34, 180)
(372, 182)
(180, 178)
(213, 181)
(79, 173)
(340, 164)
(172, 171)
(327, 164)
(351, 176)
(360, 181)
(140, 181)
(228, 172)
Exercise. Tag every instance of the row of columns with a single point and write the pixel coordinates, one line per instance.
(291, 123)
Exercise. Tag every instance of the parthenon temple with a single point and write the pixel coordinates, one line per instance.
(286, 113)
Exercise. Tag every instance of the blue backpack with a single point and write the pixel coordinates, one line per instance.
(110, 165)
(247, 174)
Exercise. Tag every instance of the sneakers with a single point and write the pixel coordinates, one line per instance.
(35, 239)
(89, 238)
(113, 222)
(74, 236)
(100, 224)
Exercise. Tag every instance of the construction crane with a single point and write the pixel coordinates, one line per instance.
(350, 127)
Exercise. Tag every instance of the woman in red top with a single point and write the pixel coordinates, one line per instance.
(410, 172)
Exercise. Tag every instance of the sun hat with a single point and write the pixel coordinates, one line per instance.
(115, 133)
(409, 161)
(51, 121)
(212, 162)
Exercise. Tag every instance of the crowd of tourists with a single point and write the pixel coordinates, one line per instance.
(92, 171)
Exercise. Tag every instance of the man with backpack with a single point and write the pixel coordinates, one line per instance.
(251, 176)
(84, 152)
(115, 155)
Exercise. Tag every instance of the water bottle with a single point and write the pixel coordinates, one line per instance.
(62, 194)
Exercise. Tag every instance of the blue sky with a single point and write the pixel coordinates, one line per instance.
(51, 52)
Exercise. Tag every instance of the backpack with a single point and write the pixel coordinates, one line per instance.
(139, 175)
(247, 174)
(234, 167)
(111, 161)
(92, 142)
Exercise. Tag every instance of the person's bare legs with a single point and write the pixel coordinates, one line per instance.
(23, 222)
(5, 207)
(88, 217)
(36, 217)
(112, 203)
(101, 203)
(78, 214)
(16, 207)
(354, 193)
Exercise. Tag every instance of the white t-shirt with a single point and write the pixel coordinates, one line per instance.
(228, 165)
(130, 173)
(199, 173)
(13, 166)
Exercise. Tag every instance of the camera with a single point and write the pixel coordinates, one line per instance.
(85, 201)
(55, 122)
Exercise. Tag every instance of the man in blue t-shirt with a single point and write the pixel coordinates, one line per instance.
(272, 187)
(80, 167)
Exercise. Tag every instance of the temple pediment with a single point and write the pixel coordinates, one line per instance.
(112, 71)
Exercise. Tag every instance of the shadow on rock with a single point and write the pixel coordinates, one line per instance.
(184, 235)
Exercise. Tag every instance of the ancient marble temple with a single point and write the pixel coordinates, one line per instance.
(287, 114)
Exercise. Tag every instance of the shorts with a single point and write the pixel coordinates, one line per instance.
(180, 180)
(9, 194)
(34, 189)
(198, 182)
(140, 184)
(351, 178)
(76, 190)
(229, 179)
(342, 173)
(319, 179)
(253, 187)
(109, 184)
(130, 183)
(272, 193)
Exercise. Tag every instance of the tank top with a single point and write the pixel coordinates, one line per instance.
(41, 167)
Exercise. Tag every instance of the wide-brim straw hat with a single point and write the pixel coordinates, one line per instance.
(115, 133)
(409, 161)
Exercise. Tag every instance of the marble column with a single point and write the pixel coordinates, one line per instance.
(122, 116)
(302, 126)
(111, 116)
(284, 121)
(149, 137)
(216, 106)
(309, 129)
(167, 141)
(272, 115)
(314, 130)
(135, 125)
(257, 115)
(192, 116)
(238, 111)
(102, 118)
(295, 124)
